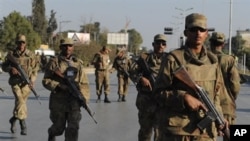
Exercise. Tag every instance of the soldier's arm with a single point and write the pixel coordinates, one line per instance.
(49, 81)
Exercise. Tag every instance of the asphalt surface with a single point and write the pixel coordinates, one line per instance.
(117, 121)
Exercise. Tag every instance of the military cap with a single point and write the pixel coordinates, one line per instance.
(119, 50)
(66, 41)
(21, 38)
(160, 37)
(195, 20)
(218, 37)
(105, 48)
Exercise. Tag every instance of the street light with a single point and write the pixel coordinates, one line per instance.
(183, 13)
(60, 25)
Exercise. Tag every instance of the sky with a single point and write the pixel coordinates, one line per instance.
(148, 17)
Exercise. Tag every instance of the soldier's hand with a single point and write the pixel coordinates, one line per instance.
(146, 83)
(63, 87)
(14, 71)
(193, 103)
(220, 128)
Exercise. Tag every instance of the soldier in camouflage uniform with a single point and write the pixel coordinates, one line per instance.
(64, 108)
(179, 108)
(230, 75)
(145, 103)
(122, 64)
(20, 89)
(101, 62)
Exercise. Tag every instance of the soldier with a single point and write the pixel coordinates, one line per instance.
(43, 61)
(179, 108)
(101, 62)
(230, 75)
(147, 69)
(122, 64)
(64, 108)
(27, 60)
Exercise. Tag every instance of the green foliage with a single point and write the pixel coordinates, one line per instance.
(87, 52)
(238, 45)
(13, 25)
(135, 40)
(39, 21)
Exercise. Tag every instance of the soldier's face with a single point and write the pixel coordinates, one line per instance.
(159, 46)
(67, 49)
(196, 35)
(21, 45)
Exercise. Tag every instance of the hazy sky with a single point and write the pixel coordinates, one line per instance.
(148, 17)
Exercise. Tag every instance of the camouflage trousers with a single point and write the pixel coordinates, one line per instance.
(123, 83)
(102, 80)
(68, 121)
(147, 119)
(21, 94)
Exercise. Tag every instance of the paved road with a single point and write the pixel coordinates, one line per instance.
(117, 121)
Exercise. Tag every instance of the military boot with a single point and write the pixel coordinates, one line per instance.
(23, 127)
(123, 98)
(98, 99)
(119, 98)
(106, 100)
(13, 124)
(52, 138)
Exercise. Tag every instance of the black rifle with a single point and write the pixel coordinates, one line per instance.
(146, 70)
(23, 75)
(212, 114)
(76, 92)
(127, 74)
(1, 89)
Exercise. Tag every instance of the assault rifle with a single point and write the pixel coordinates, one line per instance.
(1, 89)
(75, 92)
(212, 114)
(127, 74)
(23, 75)
(146, 70)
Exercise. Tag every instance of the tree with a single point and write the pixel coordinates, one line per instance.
(135, 40)
(238, 45)
(38, 18)
(15, 24)
(52, 26)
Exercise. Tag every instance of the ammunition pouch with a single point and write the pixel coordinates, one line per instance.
(14, 80)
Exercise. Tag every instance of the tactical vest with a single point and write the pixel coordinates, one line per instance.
(102, 62)
(204, 75)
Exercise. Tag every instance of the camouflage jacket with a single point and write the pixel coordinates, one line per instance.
(169, 91)
(27, 61)
(63, 100)
(232, 82)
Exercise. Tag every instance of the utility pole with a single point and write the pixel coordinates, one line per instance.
(230, 27)
(60, 26)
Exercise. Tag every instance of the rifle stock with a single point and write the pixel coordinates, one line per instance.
(212, 114)
(23, 76)
(76, 93)
(141, 62)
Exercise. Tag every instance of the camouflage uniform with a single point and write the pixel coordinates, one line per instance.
(230, 76)
(122, 63)
(21, 90)
(64, 108)
(145, 101)
(101, 62)
(177, 121)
